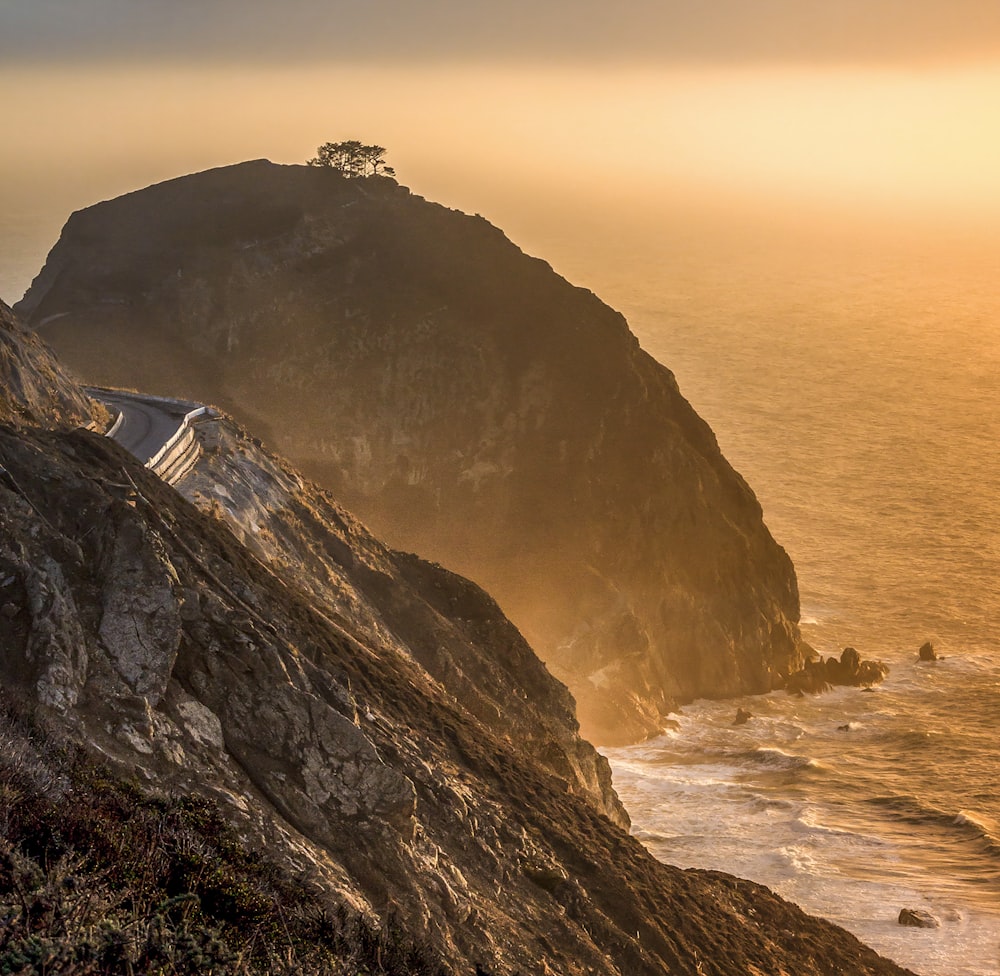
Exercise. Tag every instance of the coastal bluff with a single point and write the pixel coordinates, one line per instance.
(242, 736)
(463, 399)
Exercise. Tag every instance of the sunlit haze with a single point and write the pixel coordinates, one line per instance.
(527, 145)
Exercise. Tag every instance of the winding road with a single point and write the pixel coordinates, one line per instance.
(149, 427)
(145, 425)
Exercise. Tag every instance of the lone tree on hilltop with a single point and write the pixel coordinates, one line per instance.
(352, 159)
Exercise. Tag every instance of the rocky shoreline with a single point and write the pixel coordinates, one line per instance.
(818, 675)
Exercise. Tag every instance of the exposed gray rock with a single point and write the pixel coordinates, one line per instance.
(45, 646)
(201, 723)
(140, 623)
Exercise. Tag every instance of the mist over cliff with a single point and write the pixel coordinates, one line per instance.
(462, 398)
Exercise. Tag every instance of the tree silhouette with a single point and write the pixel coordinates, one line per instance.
(352, 159)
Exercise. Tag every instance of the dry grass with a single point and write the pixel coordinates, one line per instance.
(99, 877)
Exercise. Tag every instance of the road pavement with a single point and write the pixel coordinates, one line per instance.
(147, 424)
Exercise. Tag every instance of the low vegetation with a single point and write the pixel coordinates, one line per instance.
(99, 877)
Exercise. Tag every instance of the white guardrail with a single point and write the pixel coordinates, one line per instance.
(113, 429)
(179, 454)
(157, 459)
(181, 451)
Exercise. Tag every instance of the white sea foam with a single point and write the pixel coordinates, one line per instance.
(775, 758)
(791, 796)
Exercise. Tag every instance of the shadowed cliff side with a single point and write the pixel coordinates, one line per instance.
(462, 398)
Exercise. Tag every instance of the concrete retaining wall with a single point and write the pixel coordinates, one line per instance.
(172, 461)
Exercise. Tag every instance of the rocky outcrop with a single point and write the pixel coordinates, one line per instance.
(918, 918)
(819, 675)
(462, 398)
(927, 652)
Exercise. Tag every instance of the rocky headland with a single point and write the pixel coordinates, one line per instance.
(462, 398)
(242, 736)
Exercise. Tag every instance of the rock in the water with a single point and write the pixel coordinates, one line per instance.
(918, 918)
(742, 716)
(819, 675)
(927, 652)
(850, 662)
(812, 679)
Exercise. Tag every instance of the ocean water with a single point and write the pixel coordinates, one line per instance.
(854, 380)
(27, 233)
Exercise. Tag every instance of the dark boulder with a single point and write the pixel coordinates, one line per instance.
(927, 652)
(812, 679)
(850, 662)
(917, 918)
(819, 675)
(742, 716)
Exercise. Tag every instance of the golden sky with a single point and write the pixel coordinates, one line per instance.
(850, 134)
(878, 107)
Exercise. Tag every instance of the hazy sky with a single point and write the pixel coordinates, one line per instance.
(872, 31)
(539, 115)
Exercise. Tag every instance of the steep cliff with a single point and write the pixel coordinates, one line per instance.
(463, 399)
(34, 388)
(308, 690)
(453, 629)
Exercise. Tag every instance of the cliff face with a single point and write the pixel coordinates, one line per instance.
(34, 388)
(448, 625)
(462, 398)
(370, 719)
